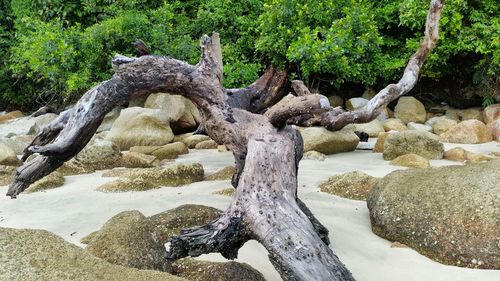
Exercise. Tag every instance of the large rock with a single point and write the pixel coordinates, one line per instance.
(417, 142)
(393, 124)
(129, 239)
(327, 142)
(409, 109)
(149, 178)
(99, 155)
(170, 222)
(353, 185)
(450, 214)
(15, 145)
(25, 125)
(140, 127)
(6, 174)
(8, 156)
(469, 131)
(192, 269)
(440, 124)
(373, 128)
(336, 101)
(183, 114)
(41, 255)
(491, 113)
(109, 120)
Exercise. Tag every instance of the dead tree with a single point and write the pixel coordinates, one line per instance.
(252, 123)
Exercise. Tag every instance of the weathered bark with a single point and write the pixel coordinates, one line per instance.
(260, 95)
(266, 151)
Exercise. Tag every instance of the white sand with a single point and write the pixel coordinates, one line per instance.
(76, 209)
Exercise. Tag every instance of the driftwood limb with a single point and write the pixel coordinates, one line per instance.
(260, 95)
(291, 106)
(336, 120)
(266, 153)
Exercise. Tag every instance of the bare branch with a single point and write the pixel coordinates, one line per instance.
(291, 106)
(336, 120)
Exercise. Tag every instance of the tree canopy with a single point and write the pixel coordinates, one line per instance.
(54, 50)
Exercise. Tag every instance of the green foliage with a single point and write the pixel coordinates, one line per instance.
(54, 50)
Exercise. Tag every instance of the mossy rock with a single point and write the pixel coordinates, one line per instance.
(411, 161)
(314, 155)
(421, 143)
(6, 174)
(127, 184)
(192, 140)
(168, 151)
(221, 271)
(352, 185)
(139, 160)
(52, 180)
(129, 239)
(208, 144)
(42, 256)
(170, 222)
(225, 173)
(149, 178)
(449, 214)
(230, 191)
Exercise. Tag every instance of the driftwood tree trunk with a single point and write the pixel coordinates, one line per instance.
(252, 123)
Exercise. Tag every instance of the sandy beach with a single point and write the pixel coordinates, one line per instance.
(76, 209)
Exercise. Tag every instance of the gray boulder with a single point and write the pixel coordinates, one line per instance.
(168, 151)
(52, 180)
(100, 155)
(140, 127)
(409, 109)
(440, 124)
(149, 178)
(353, 185)
(450, 214)
(171, 222)
(26, 125)
(43, 256)
(8, 156)
(321, 140)
(129, 239)
(182, 113)
(15, 145)
(192, 269)
(421, 143)
(6, 174)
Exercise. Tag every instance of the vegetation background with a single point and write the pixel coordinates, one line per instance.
(55, 50)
